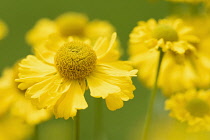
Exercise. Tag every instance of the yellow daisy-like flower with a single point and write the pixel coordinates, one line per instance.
(3, 30)
(180, 60)
(69, 24)
(13, 100)
(57, 77)
(13, 128)
(192, 107)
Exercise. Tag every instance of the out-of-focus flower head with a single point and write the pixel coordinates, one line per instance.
(181, 59)
(13, 128)
(192, 107)
(3, 30)
(13, 100)
(69, 24)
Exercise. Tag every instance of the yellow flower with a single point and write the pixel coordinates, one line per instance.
(68, 24)
(171, 129)
(3, 30)
(192, 107)
(182, 65)
(13, 100)
(58, 76)
(13, 128)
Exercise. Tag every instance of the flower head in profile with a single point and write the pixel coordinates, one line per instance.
(14, 102)
(192, 107)
(182, 58)
(3, 30)
(57, 77)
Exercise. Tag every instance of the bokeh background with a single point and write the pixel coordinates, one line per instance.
(123, 124)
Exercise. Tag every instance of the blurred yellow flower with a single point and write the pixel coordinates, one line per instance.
(183, 66)
(13, 100)
(171, 129)
(69, 24)
(13, 128)
(97, 28)
(58, 76)
(3, 30)
(192, 107)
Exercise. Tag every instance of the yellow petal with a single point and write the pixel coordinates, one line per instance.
(33, 70)
(71, 101)
(45, 93)
(118, 68)
(114, 102)
(107, 50)
(99, 87)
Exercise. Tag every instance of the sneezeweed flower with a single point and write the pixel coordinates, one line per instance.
(57, 77)
(13, 128)
(181, 57)
(192, 107)
(69, 24)
(14, 102)
(3, 30)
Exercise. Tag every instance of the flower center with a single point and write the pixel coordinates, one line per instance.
(166, 32)
(75, 60)
(198, 107)
(71, 24)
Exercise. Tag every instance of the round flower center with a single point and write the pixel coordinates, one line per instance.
(198, 107)
(75, 60)
(166, 32)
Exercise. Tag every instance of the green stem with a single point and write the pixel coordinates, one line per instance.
(77, 126)
(98, 126)
(152, 99)
(36, 133)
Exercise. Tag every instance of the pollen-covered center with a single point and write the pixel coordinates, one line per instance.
(166, 32)
(75, 60)
(198, 107)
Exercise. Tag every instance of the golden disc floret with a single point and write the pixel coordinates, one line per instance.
(165, 32)
(75, 60)
(198, 107)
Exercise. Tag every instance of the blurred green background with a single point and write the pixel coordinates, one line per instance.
(21, 15)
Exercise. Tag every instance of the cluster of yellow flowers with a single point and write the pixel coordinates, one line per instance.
(72, 54)
(185, 64)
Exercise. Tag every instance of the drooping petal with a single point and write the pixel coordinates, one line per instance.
(99, 87)
(114, 102)
(71, 101)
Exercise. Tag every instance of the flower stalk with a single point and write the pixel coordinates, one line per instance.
(98, 126)
(77, 126)
(152, 99)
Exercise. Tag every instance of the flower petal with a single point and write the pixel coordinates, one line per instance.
(71, 101)
(114, 102)
(100, 88)
(45, 93)
(33, 70)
